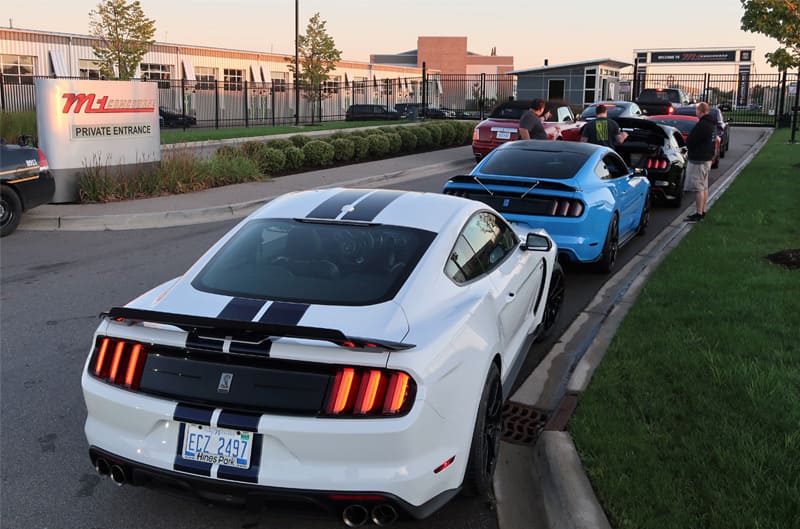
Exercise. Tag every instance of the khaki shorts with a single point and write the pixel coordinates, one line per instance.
(697, 176)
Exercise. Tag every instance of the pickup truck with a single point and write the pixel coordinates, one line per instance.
(502, 125)
(661, 101)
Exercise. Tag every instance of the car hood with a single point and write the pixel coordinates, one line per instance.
(383, 321)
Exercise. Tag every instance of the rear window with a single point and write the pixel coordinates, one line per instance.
(533, 163)
(322, 263)
(668, 96)
(683, 125)
(509, 111)
(613, 111)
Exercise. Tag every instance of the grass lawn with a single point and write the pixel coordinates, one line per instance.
(692, 420)
(200, 134)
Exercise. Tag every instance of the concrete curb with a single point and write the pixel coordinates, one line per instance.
(568, 500)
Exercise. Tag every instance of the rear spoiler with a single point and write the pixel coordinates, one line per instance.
(514, 181)
(252, 330)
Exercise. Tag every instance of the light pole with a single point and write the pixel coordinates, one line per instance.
(296, 62)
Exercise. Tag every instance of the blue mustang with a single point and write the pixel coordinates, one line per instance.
(585, 196)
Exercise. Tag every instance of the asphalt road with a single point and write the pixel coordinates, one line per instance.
(52, 287)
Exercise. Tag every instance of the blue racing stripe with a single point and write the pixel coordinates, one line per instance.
(332, 208)
(189, 465)
(244, 309)
(370, 207)
(282, 313)
(193, 414)
(248, 475)
(238, 421)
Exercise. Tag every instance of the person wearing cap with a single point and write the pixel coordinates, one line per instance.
(603, 130)
(530, 124)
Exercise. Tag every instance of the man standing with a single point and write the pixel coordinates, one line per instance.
(700, 144)
(603, 131)
(530, 124)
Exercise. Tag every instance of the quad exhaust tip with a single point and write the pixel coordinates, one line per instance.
(355, 515)
(383, 514)
(102, 467)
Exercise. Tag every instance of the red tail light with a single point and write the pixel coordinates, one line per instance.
(671, 110)
(657, 163)
(43, 164)
(118, 362)
(369, 393)
(566, 207)
(476, 135)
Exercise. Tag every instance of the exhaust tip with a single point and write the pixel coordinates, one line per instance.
(384, 514)
(355, 515)
(102, 467)
(117, 475)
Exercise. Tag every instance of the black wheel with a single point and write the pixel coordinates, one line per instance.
(610, 247)
(552, 307)
(10, 210)
(485, 437)
(644, 220)
(678, 200)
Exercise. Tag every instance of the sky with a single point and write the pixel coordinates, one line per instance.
(531, 31)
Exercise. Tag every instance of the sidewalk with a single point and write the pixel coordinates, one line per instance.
(237, 201)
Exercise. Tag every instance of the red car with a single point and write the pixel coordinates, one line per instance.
(502, 125)
(685, 124)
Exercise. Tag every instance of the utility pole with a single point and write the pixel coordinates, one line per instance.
(296, 62)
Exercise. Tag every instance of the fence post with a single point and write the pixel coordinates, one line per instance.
(246, 113)
(2, 92)
(216, 104)
(796, 109)
(272, 99)
(781, 99)
(424, 88)
(706, 93)
(483, 94)
(183, 102)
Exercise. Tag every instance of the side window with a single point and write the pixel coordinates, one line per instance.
(485, 241)
(615, 166)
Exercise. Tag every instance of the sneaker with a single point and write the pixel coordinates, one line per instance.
(695, 217)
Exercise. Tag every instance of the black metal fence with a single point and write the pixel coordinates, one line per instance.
(247, 104)
(749, 99)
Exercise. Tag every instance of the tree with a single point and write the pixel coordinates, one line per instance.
(318, 56)
(779, 19)
(124, 33)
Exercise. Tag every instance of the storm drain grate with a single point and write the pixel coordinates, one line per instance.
(522, 424)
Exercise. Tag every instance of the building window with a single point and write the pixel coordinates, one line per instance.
(17, 69)
(360, 85)
(590, 84)
(157, 72)
(279, 81)
(89, 69)
(233, 79)
(387, 87)
(206, 78)
(331, 86)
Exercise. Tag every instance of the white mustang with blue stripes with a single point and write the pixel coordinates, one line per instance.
(350, 347)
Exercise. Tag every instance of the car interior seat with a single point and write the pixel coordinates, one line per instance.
(305, 256)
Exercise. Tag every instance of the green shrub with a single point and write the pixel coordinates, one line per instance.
(343, 149)
(298, 140)
(467, 129)
(226, 151)
(424, 138)
(252, 149)
(378, 145)
(16, 124)
(227, 170)
(436, 134)
(360, 147)
(408, 138)
(272, 161)
(280, 144)
(448, 133)
(395, 142)
(318, 153)
(294, 158)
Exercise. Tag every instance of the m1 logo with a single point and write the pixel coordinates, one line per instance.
(91, 104)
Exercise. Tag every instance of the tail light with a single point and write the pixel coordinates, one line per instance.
(657, 163)
(360, 392)
(476, 135)
(43, 163)
(118, 362)
(671, 110)
(566, 207)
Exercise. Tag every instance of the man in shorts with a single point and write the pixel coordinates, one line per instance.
(700, 144)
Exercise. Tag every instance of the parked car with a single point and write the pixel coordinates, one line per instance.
(659, 101)
(173, 119)
(370, 113)
(502, 125)
(25, 182)
(583, 195)
(418, 110)
(685, 123)
(725, 107)
(325, 349)
(724, 133)
(616, 109)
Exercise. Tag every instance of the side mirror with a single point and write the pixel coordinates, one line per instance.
(538, 242)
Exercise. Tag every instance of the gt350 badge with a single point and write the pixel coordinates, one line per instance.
(225, 381)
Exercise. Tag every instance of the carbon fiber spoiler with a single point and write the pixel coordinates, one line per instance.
(513, 181)
(252, 329)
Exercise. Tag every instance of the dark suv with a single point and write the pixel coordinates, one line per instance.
(370, 112)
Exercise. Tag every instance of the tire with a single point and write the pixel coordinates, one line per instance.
(610, 248)
(678, 201)
(644, 219)
(552, 307)
(10, 210)
(485, 438)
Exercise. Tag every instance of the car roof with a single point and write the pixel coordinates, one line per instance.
(579, 147)
(683, 117)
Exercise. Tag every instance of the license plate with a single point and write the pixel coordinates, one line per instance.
(217, 445)
(503, 135)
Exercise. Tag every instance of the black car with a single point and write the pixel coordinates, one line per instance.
(616, 109)
(172, 119)
(724, 134)
(370, 113)
(661, 150)
(25, 182)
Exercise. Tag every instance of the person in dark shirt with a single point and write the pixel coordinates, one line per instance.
(530, 124)
(603, 130)
(700, 144)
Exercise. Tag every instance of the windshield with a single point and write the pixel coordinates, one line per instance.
(312, 262)
(533, 163)
(613, 111)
